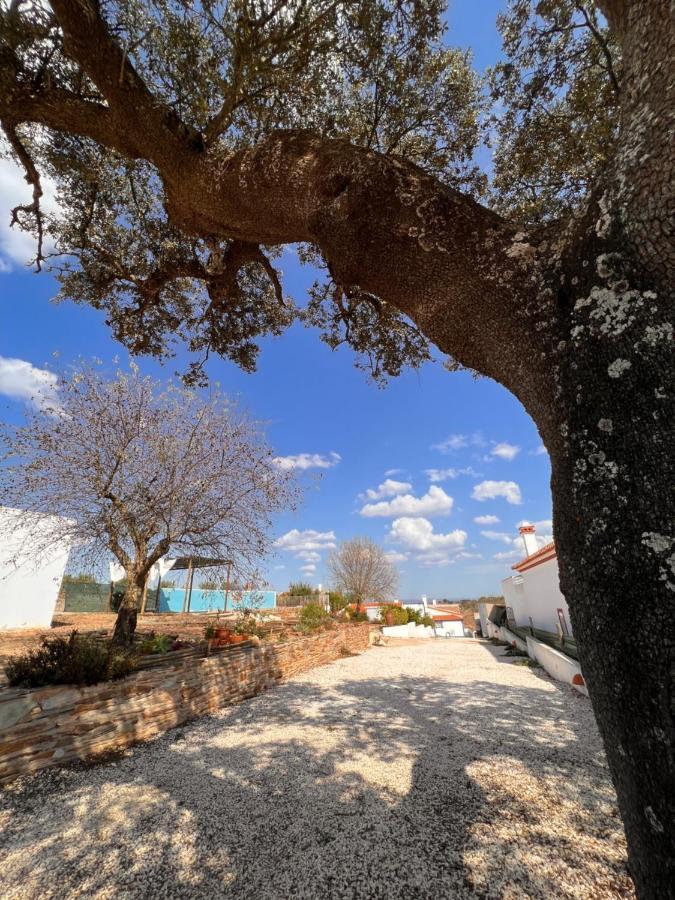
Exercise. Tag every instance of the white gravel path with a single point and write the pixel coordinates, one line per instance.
(425, 770)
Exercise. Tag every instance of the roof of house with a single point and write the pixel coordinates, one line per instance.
(544, 554)
(448, 617)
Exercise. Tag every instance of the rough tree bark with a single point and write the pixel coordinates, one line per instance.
(573, 321)
(127, 615)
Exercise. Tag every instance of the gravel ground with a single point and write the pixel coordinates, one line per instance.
(417, 770)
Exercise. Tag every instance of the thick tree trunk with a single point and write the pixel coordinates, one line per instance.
(610, 436)
(127, 615)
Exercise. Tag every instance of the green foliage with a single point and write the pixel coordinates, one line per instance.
(313, 617)
(248, 624)
(210, 632)
(377, 73)
(427, 620)
(556, 106)
(301, 589)
(337, 601)
(73, 660)
(399, 614)
(160, 643)
(358, 616)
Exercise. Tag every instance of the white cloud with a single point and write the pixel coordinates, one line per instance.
(435, 558)
(436, 475)
(392, 472)
(297, 541)
(418, 534)
(539, 451)
(395, 557)
(18, 247)
(489, 490)
(466, 555)
(434, 503)
(459, 442)
(508, 554)
(309, 556)
(505, 451)
(388, 488)
(304, 461)
(498, 536)
(308, 569)
(486, 520)
(21, 380)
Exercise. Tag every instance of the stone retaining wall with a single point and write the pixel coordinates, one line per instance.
(53, 725)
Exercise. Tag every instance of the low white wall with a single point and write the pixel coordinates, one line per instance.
(28, 593)
(408, 631)
(557, 664)
(506, 635)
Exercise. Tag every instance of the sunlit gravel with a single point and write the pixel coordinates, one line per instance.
(427, 770)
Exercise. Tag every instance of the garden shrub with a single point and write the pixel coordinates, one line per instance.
(337, 601)
(357, 616)
(399, 614)
(73, 660)
(313, 616)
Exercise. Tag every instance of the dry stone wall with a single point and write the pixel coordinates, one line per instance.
(53, 725)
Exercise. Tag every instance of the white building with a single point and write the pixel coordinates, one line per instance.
(28, 589)
(533, 594)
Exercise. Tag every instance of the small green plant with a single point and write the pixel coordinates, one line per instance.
(72, 660)
(313, 617)
(162, 643)
(427, 620)
(531, 663)
(248, 624)
(210, 631)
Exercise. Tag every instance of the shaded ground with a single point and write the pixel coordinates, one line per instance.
(412, 771)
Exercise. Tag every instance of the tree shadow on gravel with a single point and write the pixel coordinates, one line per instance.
(409, 788)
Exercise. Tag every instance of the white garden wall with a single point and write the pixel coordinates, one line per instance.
(557, 664)
(28, 592)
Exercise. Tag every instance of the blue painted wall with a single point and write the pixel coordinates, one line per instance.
(172, 600)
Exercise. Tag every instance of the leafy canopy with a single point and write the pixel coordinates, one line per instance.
(378, 73)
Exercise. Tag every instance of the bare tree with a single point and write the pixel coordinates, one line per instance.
(139, 472)
(360, 568)
(189, 146)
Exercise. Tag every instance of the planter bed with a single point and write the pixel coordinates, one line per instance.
(50, 726)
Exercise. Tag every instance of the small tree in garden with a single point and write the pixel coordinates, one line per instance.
(139, 472)
(361, 569)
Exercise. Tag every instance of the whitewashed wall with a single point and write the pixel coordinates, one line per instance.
(28, 593)
(538, 596)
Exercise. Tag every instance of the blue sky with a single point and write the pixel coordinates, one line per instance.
(414, 466)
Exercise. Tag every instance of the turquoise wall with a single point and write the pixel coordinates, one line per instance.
(172, 600)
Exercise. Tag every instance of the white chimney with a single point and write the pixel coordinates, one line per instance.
(530, 541)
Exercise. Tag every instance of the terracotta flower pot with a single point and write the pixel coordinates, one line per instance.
(389, 618)
(223, 634)
(237, 639)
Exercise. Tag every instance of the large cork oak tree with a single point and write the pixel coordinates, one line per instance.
(191, 142)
